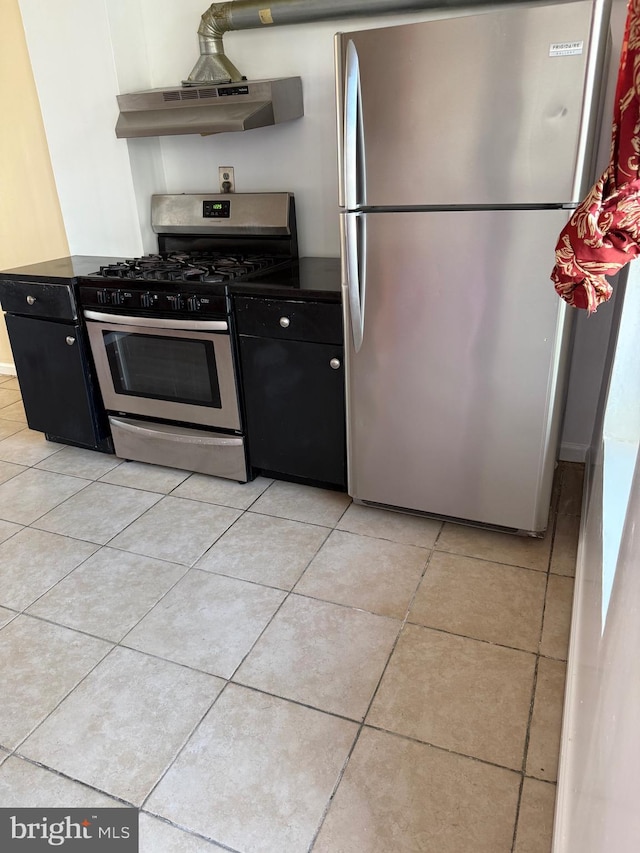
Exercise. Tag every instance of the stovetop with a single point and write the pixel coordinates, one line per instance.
(212, 267)
(176, 283)
(205, 243)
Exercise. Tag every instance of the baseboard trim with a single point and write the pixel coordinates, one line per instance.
(571, 452)
(8, 368)
(572, 706)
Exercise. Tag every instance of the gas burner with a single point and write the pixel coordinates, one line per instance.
(189, 266)
(199, 258)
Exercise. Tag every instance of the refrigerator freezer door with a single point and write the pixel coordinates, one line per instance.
(452, 397)
(478, 110)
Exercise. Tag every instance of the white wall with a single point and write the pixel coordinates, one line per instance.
(84, 52)
(73, 60)
(599, 773)
(298, 156)
(31, 226)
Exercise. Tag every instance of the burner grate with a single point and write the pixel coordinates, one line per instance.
(186, 266)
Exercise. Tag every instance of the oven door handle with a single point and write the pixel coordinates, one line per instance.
(159, 323)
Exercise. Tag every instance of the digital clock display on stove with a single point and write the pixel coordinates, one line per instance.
(216, 209)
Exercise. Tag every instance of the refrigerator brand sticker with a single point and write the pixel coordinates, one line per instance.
(566, 48)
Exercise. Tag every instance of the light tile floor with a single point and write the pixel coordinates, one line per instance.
(267, 667)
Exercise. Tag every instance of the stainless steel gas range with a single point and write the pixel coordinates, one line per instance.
(159, 328)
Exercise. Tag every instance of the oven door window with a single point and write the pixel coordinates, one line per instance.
(160, 367)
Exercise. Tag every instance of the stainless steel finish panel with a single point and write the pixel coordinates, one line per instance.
(246, 14)
(471, 110)
(452, 396)
(354, 254)
(250, 213)
(159, 322)
(227, 417)
(222, 118)
(214, 65)
(209, 109)
(179, 447)
(594, 98)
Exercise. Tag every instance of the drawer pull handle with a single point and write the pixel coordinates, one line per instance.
(334, 364)
(70, 340)
(285, 322)
(31, 300)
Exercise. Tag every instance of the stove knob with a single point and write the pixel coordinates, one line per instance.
(117, 298)
(103, 297)
(146, 300)
(192, 303)
(176, 303)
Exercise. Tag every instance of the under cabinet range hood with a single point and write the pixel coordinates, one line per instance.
(208, 109)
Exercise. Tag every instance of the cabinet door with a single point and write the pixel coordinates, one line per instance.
(54, 378)
(294, 402)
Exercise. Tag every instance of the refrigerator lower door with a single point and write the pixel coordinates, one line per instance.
(456, 360)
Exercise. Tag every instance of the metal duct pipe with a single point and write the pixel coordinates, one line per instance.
(215, 67)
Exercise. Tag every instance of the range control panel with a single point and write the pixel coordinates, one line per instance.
(187, 303)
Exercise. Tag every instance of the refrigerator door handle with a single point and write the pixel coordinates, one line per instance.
(356, 253)
(354, 182)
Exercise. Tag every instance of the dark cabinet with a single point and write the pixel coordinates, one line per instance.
(291, 363)
(59, 396)
(39, 299)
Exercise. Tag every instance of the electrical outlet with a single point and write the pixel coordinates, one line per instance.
(227, 181)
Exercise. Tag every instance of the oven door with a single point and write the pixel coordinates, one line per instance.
(175, 370)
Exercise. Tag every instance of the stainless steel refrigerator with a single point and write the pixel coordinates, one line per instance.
(464, 144)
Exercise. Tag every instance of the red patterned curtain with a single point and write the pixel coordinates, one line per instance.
(603, 234)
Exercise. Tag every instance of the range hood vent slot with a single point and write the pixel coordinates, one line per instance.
(189, 94)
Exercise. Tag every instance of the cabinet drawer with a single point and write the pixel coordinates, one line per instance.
(289, 319)
(38, 299)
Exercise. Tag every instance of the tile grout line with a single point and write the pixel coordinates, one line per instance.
(66, 696)
(368, 708)
(404, 622)
(525, 754)
(113, 645)
(228, 680)
(32, 761)
(191, 832)
(55, 506)
(119, 642)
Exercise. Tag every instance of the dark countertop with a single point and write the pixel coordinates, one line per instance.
(62, 269)
(309, 278)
